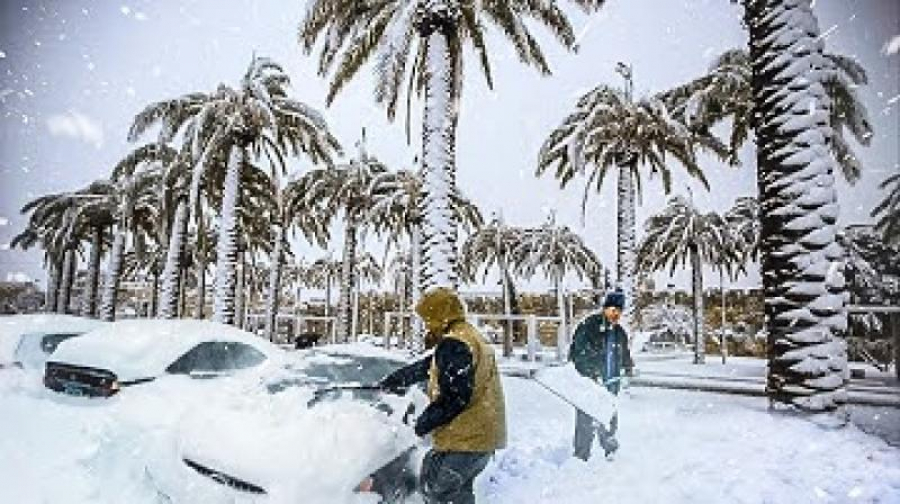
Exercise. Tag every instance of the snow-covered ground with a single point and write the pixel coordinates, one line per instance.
(677, 446)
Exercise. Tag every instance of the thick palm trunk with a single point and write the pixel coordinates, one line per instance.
(697, 288)
(801, 260)
(348, 280)
(274, 281)
(93, 273)
(227, 244)
(171, 275)
(354, 320)
(240, 296)
(68, 278)
(415, 281)
(625, 245)
(438, 166)
(111, 286)
(562, 338)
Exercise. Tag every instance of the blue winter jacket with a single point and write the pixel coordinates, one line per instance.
(600, 351)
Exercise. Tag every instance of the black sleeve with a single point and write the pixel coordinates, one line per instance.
(408, 375)
(456, 379)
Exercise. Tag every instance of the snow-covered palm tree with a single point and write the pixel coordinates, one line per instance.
(803, 282)
(369, 271)
(93, 217)
(726, 92)
(557, 251)
(492, 245)
(345, 190)
(136, 197)
(234, 124)
(681, 235)
(44, 229)
(422, 43)
(323, 273)
(888, 210)
(609, 131)
(294, 212)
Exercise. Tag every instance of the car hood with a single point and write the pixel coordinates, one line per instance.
(296, 453)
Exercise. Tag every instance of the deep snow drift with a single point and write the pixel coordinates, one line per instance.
(676, 447)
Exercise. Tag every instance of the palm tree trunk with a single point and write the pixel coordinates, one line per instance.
(171, 276)
(274, 281)
(201, 289)
(93, 276)
(438, 166)
(65, 295)
(240, 296)
(507, 309)
(53, 282)
(182, 292)
(348, 279)
(354, 320)
(805, 300)
(724, 341)
(697, 287)
(226, 268)
(625, 245)
(111, 287)
(154, 295)
(562, 337)
(415, 281)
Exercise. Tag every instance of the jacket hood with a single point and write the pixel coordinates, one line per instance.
(439, 308)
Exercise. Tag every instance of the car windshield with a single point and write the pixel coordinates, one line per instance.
(33, 348)
(324, 369)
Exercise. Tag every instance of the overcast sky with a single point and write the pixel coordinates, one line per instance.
(75, 72)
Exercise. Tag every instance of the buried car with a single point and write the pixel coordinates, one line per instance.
(26, 341)
(315, 432)
(131, 352)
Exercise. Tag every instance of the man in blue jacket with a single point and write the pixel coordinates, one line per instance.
(600, 351)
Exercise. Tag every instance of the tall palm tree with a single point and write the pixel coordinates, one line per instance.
(422, 43)
(726, 92)
(805, 300)
(371, 272)
(493, 245)
(557, 251)
(400, 267)
(93, 213)
(257, 118)
(610, 131)
(294, 211)
(136, 199)
(681, 235)
(888, 210)
(346, 190)
(323, 272)
(45, 222)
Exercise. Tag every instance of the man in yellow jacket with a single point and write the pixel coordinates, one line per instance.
(466, 416)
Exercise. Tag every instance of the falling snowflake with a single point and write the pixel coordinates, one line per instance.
(2, 55)
(894, 100)
(130, 91)
(4, 221)
(140, 16)
(125, 10)
(892, 46)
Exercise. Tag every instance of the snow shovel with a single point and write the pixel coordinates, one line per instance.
(585, 395)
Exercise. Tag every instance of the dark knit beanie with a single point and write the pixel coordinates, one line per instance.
(615, 298)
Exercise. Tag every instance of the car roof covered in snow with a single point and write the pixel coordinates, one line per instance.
(143, 348)
(13, 327)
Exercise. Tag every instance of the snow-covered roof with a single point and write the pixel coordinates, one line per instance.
(143, 348)
(12, 327)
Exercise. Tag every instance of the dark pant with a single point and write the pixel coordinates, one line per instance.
(585, 426)
(447, 477)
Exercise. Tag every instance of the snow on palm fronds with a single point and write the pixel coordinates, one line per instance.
(726, 92)
(888, 210)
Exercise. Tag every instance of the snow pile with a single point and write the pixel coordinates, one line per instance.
(583, 393)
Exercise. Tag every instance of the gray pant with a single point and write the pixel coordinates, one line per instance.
(585, 426)
(447, 477)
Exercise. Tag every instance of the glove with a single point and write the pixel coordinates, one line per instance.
(420, 428)
(393, 384)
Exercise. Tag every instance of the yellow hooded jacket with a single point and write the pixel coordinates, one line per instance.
(481, 427)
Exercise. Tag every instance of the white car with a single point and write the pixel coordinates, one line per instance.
(131, 352)
(316, 431)
(26, 341)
